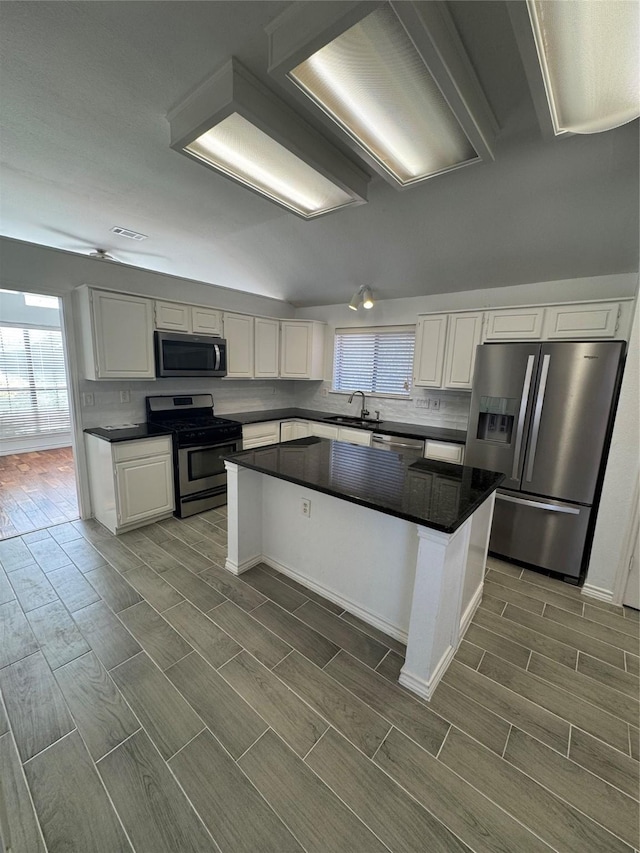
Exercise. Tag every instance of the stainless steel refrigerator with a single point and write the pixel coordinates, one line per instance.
(542, 415)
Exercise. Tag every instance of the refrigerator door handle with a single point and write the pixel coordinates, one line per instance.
(524, 401)
(544, 373)
(569, 510)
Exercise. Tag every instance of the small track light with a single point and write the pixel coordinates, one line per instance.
(367, 298)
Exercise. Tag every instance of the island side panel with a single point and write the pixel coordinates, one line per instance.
(359, 558)
(244, 509)
(476, 561)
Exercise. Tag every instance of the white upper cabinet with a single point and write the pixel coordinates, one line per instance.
(463, 336)
(431, 338)
(515, 324)
(267, 348)
(301, 349)
(116, 334)
(174, 317)
(592, 320)
(238, 331)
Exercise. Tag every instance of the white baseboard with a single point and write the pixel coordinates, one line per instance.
(238, 569)
(423, 687)
(370, 618)
(468, 614)
(598, 592)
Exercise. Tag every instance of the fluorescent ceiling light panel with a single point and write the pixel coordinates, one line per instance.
(372, 81)
(393, 78)
(589, 52)
(236, 126)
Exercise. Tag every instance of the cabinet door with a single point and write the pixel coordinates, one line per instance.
(144, 489)
(429, 355)
(463, 336)
(514, 324)
(288, 431)
(173, 317)
(259, 435)
(354, 436)
(584, 322)
(123, 336)
(206, 321)
(444, 451)
(295, 351)
(267, 350)
(323, 430)
(238, 330)
(301, 429)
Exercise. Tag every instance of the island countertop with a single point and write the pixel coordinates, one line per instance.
(434, 494)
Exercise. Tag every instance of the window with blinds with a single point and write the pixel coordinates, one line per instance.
(376, 360)
(33, 384)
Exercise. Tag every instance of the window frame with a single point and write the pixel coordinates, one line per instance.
(408, 328)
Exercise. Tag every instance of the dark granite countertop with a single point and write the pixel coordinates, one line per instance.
(128, 433)
(435, 494)
(455, 436)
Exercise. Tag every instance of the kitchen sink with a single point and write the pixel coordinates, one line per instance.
(352, 421)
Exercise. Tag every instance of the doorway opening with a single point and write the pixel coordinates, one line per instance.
(37, 469)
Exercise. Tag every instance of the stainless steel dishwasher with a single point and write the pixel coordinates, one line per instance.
(407, 446)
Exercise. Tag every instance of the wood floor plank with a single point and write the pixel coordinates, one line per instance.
(551, 585)
(35, 536)
(603, 633)
(17, 640)
(14, 554)
(592, 796)
(357, 721)
(156, 814)
(556, 822)
(181, 531)
(473, 818)
(398, 820)
(113, 588)
(613, 620)
(73, 807)
(632, 664)
(308, 593)
(283, 594)
(386, 639)
(6, 590)
(48, 554)
(498, 645)
(623, 706)
(205, 636)
(186, 555)
(64, 532)
(546, 595)
(209, 549)
(4, 722)
(405, 712)
(390, 666)
(194, 589)
(235, 814)
(102, 716)
(521, 712)
(159, 640)
(153, 588)
(494, 588)
(296, 633)
(83, 555)
(34, 703)
(57, 634)
(72, 588)
(528, 637)
(233, 588)
(502, 566)
(604, 761)
(288, 716)
(143, 549)
(491, 605)
(360, 645)
(167, 718)
(23, 827)
(106, 635)
(156, 533)
(469, 716)
(250, 634)
(32, 587)
(469, 654)
(634, 738)
(317, 818)
(231, 720)
(581, 714)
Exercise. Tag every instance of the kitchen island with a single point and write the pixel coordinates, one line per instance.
(399, 541)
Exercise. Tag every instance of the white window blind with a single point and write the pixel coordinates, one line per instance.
(33, 384)
(377, 360)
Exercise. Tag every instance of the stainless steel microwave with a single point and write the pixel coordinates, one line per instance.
(190, 355)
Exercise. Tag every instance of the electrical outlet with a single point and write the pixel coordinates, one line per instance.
(125, 396)
(305, 506)
(422, 402)
(435, 404)
(324, 392)
(88, 399)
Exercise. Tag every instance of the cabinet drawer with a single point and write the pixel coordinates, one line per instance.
(122, 451)
(257, 435)
(444, 452)
(354, 436)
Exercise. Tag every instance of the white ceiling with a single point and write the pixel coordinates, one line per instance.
(85, 89)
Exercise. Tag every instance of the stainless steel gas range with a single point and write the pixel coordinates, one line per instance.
(200, 443)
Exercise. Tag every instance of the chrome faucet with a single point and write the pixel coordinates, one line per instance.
(364, 413)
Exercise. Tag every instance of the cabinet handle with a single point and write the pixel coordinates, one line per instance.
(569, 510)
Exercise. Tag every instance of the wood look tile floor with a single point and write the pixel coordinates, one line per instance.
(37, 490)
(153, 702)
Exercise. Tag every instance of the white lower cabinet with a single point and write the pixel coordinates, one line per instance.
(260, 435)
(323, 430)
(444, 451)
(131, 482)
(290, 430)
(354, 436)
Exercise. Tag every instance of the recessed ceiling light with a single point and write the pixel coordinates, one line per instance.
(236, 126)
(396, 82)
(127, 232)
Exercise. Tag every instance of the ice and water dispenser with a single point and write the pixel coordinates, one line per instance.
(496, 419)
